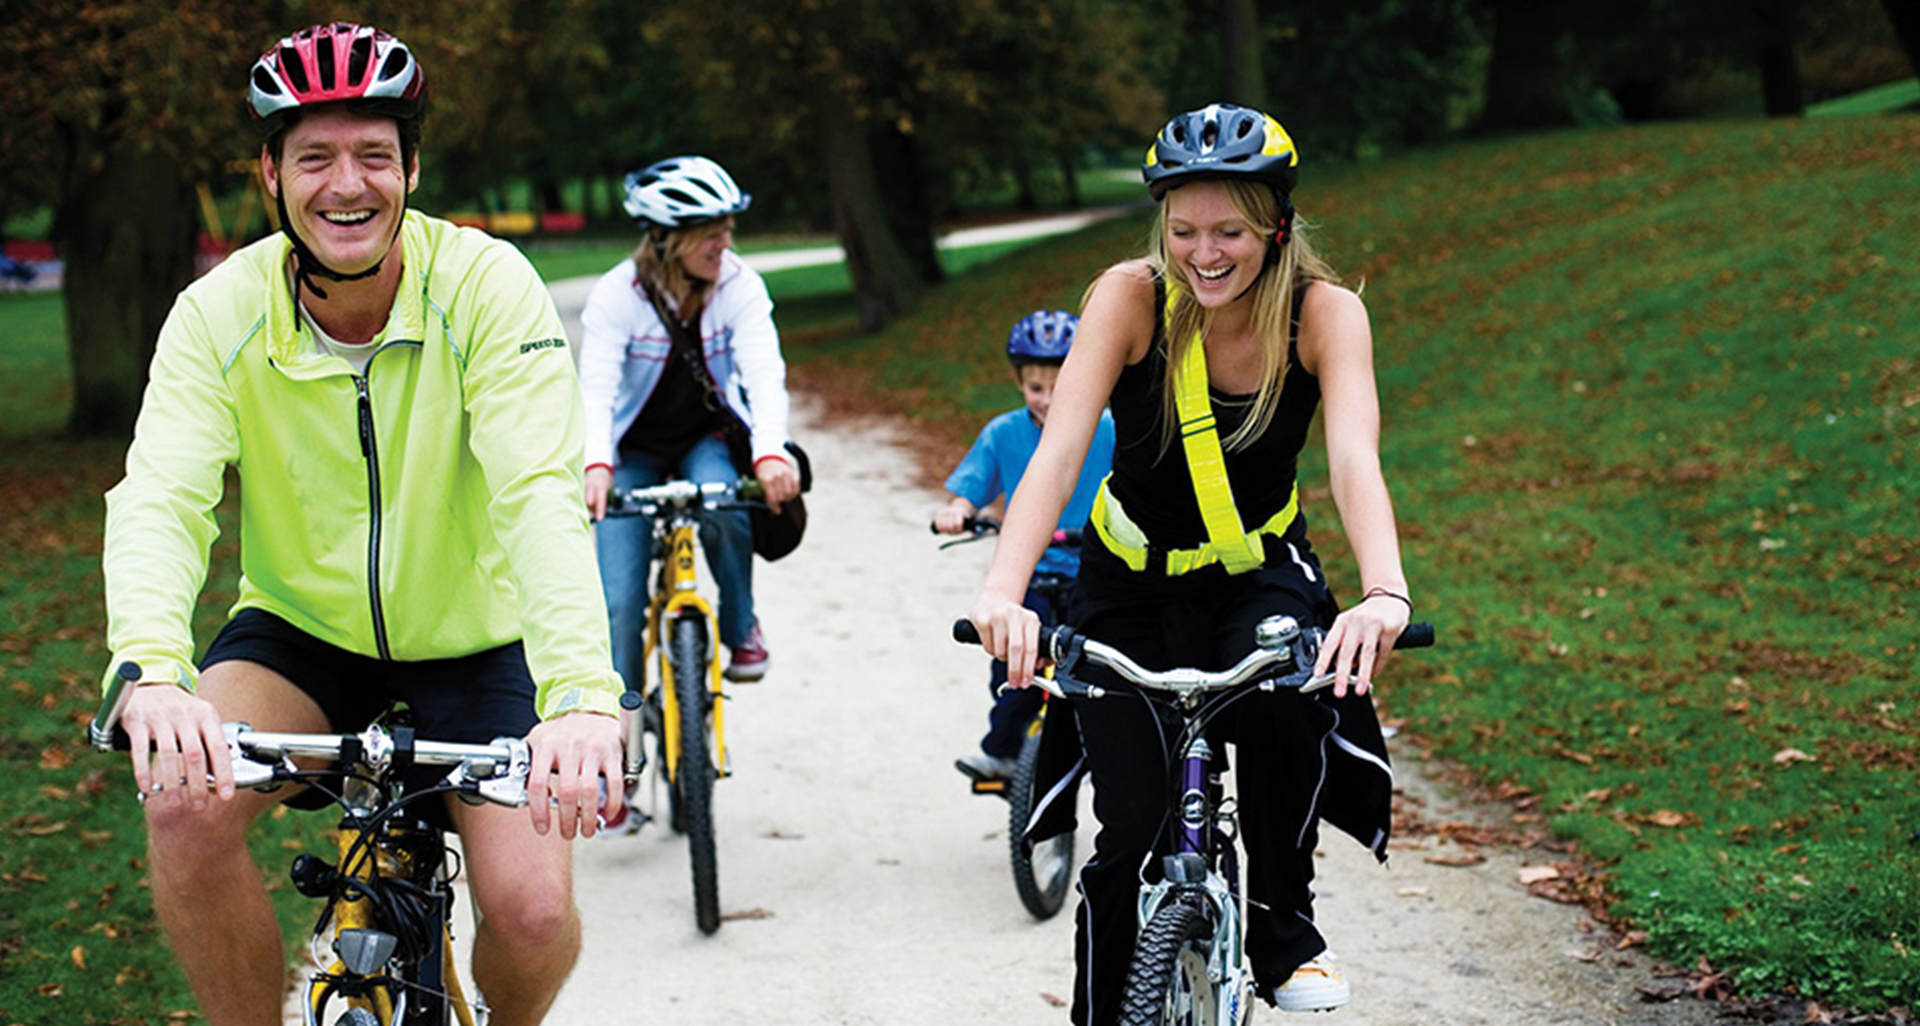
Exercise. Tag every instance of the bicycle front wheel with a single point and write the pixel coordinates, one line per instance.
(1042, 875)
(691, 657)
(1168, 984)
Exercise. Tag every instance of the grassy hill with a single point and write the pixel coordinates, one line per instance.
(1652, 402)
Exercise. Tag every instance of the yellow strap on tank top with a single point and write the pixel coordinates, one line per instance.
(1228, 543)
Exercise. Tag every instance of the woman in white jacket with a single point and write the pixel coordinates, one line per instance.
(680, 349)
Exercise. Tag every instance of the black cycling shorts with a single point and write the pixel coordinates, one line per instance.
(471, 699)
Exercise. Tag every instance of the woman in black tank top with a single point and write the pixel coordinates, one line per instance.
(1173, 584)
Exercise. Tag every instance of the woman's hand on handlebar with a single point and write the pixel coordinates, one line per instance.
(1009, 631)
(779, 478)
(176, 740)
(599, 483)
(1357, 645)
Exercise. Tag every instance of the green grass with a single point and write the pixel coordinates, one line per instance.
(78, 943)
(33, 357)
(1894, 96)
(1652, 410)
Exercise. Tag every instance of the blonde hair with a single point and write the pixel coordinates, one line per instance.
(657, 261)
(1188, 321)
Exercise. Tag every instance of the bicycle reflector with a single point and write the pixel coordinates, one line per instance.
(364, 952)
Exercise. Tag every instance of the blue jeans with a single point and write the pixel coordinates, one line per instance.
(625, 546)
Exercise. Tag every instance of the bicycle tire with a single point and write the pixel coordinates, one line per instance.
(1042, 876)
(691, 657)
(1167, 984)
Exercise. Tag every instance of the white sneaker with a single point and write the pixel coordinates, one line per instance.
(1314, 987)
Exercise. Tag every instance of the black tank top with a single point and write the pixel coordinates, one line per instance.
(1151, 479)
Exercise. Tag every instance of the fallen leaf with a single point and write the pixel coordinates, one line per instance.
(55, 757)
(752, 913)
(48, 990)
(1788, 756)
(1055, 1001)
(79, 957)
(1669, 818)
(1585, 956)
(1535, 874)
(1412, 892)
(1465, 858)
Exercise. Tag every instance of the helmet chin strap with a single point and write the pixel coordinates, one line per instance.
(307, 265)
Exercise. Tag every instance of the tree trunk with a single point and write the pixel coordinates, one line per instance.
(1243, 78)
(1024, 198)
(1524, 87)
(1779, 64)
(1071, 178)
(885, 284)
(908, 206)
(127, 229)
(1904, 16)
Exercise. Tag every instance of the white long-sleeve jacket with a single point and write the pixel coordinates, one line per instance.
(625, 348)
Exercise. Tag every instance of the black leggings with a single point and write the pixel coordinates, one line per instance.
(1280, 761)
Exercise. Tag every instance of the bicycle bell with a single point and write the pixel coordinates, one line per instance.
(1276, 632)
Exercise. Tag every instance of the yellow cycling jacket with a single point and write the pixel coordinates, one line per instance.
(428, 509)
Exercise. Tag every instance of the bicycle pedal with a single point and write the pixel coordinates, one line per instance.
(982, 783)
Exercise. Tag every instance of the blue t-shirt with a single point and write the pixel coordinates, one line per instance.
(993, 467)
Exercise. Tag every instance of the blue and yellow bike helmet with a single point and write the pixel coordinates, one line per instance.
(1221, 140)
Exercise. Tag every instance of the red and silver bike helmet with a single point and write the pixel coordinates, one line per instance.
(357, 65)
(681, 192)
(363, 70)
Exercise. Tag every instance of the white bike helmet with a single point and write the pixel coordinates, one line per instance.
(680, 192)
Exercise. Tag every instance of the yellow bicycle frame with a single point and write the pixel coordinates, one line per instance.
(359, 861)
(676, 595)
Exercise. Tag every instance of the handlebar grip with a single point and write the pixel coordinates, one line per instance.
(965, 632)
(104, 732)
(1417, 635)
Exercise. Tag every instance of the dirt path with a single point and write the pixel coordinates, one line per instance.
(874, 889)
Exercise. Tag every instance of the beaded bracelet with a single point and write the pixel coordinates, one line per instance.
(1371, 592)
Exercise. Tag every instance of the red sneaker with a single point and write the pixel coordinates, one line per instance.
(750, 657)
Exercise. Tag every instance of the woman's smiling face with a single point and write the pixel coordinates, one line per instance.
(1207, 235)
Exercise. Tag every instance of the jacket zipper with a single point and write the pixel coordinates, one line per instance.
(372, 455)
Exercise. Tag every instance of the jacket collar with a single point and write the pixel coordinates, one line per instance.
(291, 347)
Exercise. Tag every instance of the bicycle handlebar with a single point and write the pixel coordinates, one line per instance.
(1276, 651)
(496, 772)
(712, 495)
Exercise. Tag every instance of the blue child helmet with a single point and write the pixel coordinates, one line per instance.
(1042, 336)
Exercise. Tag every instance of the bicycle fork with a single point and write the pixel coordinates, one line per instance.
(1189, 873)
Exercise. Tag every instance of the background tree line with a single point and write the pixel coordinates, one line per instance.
(860, 116)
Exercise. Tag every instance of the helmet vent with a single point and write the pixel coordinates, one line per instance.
(1209, 136)
(291, 67)
(265, 82)
(324, 56)
(1246, 127)
(395, 63)
(357, 59)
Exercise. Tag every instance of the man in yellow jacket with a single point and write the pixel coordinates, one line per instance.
(397, 398)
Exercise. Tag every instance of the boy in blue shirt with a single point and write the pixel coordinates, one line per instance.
(1036, 347)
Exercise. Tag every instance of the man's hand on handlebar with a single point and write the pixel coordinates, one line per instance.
(571, 753)
(176, 741)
